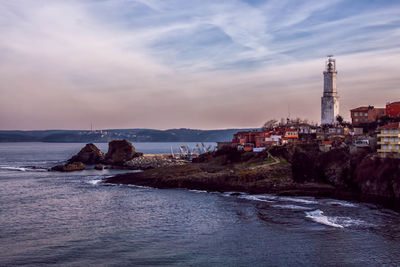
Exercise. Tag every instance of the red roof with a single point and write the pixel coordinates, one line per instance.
(394, 103)
(360, 109)
(391, 126)
(330, 142)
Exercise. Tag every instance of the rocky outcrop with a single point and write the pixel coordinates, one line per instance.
(74, 166)
(99, 167)
(334, 167)
(357, 171)
(151, 161)
(90, 154)
(120, 151)
(378, 177)
(339, 173)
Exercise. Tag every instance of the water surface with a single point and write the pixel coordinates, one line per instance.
(74, 219)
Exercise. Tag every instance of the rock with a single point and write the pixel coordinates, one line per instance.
(334, 167)
(303, 167)
(75, 166)
(99, 167)
(379, 177)
(120, 151)
(90, 154)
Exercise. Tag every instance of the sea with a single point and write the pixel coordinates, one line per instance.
(75, 219)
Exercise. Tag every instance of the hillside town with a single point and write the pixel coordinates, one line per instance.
(377, 128)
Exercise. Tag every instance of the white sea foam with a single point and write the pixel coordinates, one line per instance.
(291, 207)
(261, 198)
(342, 204)
(317, 216)
(13, 169)
(198, 191)
(139, 186)
(94, 181)
(232, 193)
(298, 200)
(348, 222)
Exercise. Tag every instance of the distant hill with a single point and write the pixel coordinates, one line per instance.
(133, 135)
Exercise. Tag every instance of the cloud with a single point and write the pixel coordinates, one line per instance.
(199, 64)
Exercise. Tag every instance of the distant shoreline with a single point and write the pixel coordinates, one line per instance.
(105, 136)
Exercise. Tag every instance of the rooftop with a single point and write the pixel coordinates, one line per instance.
(360, 109)
(394, 103)
(395, 125)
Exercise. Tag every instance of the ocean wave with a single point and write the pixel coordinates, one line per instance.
(342, 204)
(317, 216)
(140, 186)
(350, 222)
(197, 191)
(20, 169)
(23, 169)
(233, 194)
(291, 207)
(298, 200)
(94, 181)
(262, 198)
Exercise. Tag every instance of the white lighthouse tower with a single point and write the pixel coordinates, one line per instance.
(330, 99)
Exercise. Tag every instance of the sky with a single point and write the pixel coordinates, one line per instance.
(190, 64)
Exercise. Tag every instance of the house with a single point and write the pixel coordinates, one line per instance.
(247, 140)
(332, 132)
(362, 115)
(389, 139)
(358, 131)
(290, 136)
(393, 109)
(325, 146)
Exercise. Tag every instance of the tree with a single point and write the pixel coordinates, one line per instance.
(339, 119)
(269, 124)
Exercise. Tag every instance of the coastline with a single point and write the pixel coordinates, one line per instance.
(318, 190)
(250, 174)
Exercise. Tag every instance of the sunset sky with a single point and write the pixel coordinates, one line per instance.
(194, 64)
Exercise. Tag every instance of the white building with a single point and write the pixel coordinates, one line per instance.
(330, 99)
(389, 139)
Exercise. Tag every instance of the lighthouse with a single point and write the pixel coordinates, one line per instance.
(330, 98)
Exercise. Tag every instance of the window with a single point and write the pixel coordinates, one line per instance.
(366, 114)
(355, 113)
(356, 120)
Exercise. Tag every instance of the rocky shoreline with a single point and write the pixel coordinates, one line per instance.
(302, 171)
(121, 155)
(343, 173)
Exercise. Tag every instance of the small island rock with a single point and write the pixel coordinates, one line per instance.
(75, 166)
(90, 154)
(99, 167)
(120, 151)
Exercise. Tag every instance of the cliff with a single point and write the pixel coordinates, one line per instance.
(303, 170)
(358, 172)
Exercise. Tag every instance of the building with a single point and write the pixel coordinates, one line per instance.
(251, 138)
(393, 109)
(362, 115)
(389, 139)
(332, 133)
(330, 98)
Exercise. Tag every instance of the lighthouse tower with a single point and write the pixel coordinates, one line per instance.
(330, 99)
